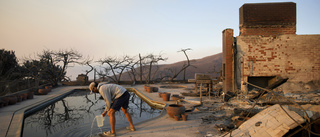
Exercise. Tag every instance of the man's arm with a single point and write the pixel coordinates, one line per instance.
(107, 99)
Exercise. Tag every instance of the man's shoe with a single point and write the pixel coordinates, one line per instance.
(109, 134)
(132, 129)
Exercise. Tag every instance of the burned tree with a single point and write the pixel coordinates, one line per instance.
(140, 61)
(153, 60)
(171, 73)
(116, 66)
(48, 69)
(133, 72)
(87, 62)
(185, 66)
(112, 64)
(66, 57)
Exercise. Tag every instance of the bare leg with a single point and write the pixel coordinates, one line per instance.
(125, 111)
(111, 114)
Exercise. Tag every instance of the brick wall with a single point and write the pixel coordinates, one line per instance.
(227, 59)
(268, 47)
(294, 56)
(267, 19)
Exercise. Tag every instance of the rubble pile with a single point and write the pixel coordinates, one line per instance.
(269, 114)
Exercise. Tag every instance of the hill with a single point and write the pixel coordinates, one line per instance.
(207, 65)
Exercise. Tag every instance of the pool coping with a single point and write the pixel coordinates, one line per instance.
(15, 128)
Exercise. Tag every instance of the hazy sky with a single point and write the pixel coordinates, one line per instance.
(101, 28)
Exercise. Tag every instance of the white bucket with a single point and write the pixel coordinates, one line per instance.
(100, 120)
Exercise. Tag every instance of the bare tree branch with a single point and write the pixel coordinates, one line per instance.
(184, 66)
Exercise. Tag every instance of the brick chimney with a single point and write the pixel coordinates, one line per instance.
(227, 59)
(267, 19)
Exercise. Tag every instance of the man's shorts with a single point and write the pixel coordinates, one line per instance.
(122, 101)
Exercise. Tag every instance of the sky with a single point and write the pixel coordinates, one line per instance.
(103, 28)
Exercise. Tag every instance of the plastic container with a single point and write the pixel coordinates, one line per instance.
(100, 120)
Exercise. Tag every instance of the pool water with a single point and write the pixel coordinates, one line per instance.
(74, 115)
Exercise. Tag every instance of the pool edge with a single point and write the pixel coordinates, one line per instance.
(15, 128)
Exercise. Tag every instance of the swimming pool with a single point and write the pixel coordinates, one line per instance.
(74, 114)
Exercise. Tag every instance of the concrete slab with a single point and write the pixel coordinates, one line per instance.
(273, 121)
(164, 126)
(5, 118)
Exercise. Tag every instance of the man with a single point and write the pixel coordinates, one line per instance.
(115, 97)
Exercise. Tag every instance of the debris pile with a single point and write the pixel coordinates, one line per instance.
(262, 112)
(275, 121)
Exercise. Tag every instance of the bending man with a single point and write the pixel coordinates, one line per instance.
(115, 97)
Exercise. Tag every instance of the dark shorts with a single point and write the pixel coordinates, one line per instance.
(122, 101)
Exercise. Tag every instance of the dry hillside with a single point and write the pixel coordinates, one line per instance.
(207, 65)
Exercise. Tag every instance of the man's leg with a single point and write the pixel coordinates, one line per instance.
(125, 111)
(111, 114)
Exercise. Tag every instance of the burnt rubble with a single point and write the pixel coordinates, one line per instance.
(262, 112)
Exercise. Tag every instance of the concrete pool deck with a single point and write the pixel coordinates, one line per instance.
(164, 125)
(12, 116)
